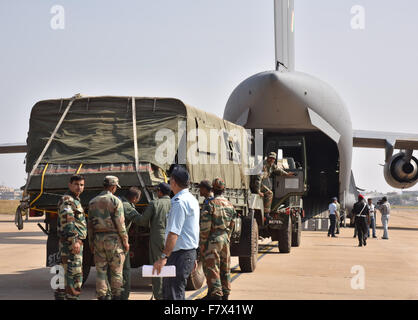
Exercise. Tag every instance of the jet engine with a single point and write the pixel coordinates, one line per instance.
(401, 171)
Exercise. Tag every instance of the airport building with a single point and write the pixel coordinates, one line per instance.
(10, 193)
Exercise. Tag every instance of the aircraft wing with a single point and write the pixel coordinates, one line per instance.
(381, 140)
(400, 170)
(13, 148)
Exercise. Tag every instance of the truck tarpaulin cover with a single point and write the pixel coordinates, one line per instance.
(100, 129)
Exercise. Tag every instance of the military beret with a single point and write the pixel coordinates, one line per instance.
(111, 181)
(218, 184)
(164, 188)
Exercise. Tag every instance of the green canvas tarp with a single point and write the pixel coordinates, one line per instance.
(99, 130)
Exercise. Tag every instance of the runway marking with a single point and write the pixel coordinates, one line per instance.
(203, 291)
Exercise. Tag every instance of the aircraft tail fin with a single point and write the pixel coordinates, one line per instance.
(284, 24)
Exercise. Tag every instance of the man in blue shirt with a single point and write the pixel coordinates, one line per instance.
(181, 236)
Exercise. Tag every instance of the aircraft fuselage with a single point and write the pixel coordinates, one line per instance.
(297, 103)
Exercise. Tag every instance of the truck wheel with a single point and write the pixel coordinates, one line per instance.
(248, 264)
(297, 235)
(196, 279)
(285, 237)
(87, 260)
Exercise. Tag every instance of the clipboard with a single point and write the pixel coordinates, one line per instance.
(166, 272)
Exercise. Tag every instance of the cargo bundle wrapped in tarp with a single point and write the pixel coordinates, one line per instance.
(96, 137)
(99, 130)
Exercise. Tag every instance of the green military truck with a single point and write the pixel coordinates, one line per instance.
(140, 140)
(284, 224)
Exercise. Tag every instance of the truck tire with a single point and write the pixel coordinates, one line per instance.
(87, 260)
(297, 235)
(285, 237)
(196, 279)
(248, 264)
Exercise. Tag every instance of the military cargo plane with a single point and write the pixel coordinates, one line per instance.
(287, 103)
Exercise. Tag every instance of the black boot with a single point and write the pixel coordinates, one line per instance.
(73, 298)
(210, 297)
(116, 298)
(59, 296)
(225, 297)
(104, 298)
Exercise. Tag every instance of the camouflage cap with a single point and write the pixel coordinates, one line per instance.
(111, 181)
(218, 184)
(273, 155)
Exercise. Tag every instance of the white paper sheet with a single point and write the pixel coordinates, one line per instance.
(166, 272)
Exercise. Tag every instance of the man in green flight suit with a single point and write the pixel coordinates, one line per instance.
(72, 230)
(155, 217)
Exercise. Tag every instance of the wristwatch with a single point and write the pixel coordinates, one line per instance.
(164, 256)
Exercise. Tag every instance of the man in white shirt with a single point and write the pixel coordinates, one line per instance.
(372, 214)
(384, 209)
(332, 217)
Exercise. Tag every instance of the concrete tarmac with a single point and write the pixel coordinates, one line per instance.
(322, 268)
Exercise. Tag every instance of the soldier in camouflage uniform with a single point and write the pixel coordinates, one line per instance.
(155, 217)
(216, 225)
(263, 185)
(108, 238)
(72, 230)
(205, 189)
(131, 216)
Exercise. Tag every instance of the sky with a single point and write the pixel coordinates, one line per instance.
(199, 51)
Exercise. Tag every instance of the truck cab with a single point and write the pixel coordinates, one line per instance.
(284, 223)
